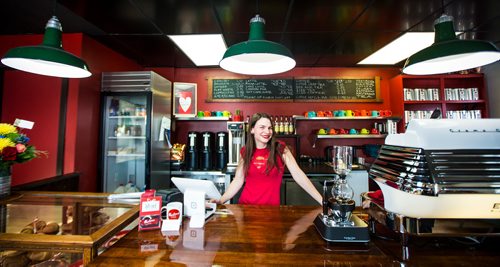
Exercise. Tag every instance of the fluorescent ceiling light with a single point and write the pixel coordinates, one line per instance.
(400, 49)
(202, 49)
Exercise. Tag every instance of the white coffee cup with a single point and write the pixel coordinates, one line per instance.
(173, 211)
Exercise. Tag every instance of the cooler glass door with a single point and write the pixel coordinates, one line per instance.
(125, 143)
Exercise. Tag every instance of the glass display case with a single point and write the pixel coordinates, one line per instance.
(64, 227)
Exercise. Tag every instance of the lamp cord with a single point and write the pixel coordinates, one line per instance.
(54, 8)
(257, 7)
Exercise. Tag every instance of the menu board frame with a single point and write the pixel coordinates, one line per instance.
(329, 96)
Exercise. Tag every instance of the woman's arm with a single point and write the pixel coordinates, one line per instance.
(300, 177)
(235, 185)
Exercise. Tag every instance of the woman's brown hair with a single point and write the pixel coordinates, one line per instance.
(273, 145)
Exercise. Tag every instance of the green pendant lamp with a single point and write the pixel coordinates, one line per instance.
(450, 54)
(257, 56)
(47, 58)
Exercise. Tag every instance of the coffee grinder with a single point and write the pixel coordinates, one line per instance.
(337, 223)
(236, 130)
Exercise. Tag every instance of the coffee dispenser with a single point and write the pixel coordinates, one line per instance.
(236, 130)
(221, 150)
(206, 158)
(191, 157)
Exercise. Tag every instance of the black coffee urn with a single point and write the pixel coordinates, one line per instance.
(192, 156)
(221, 150)
(206, 157)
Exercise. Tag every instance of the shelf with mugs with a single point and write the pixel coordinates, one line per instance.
(196, 118)
(347, 136)
(299, 117)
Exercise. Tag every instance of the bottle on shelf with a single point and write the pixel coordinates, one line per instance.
(281, 126)
(291, 128)
(285, 126)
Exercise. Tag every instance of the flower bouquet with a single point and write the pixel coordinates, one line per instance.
(14, 148)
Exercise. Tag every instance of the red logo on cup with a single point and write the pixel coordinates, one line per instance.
(173, 214)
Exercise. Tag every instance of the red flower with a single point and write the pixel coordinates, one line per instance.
(9, 153)
(20, 148)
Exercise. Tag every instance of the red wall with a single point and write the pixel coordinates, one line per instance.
(37, 98)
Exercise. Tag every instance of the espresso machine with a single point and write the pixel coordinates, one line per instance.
(439, 178)
(337, 223)
(236, 130)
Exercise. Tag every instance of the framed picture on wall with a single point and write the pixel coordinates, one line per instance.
(185, 99)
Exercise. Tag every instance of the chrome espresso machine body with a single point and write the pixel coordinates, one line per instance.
(440, 178)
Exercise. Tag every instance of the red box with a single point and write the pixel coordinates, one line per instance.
(150, 211)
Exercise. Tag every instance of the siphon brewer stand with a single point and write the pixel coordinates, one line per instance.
(331, 230)
(337, 223)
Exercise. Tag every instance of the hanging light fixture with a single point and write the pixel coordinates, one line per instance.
(48, 58)
(257, 56)
(450, 54)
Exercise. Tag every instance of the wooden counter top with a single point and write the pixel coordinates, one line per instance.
(263, 235)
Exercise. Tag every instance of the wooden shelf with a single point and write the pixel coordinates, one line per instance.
(345, 118)
(346, 136)
(202, 118)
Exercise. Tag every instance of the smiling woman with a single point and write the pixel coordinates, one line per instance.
(261, 167)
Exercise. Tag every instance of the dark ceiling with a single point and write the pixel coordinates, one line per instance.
(331, 33)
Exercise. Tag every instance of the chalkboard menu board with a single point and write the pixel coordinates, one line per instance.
(296, 89)
(339, 89)
(252, 89)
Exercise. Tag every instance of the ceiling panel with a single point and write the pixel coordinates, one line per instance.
(318, 32)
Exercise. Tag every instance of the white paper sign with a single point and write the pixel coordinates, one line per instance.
(24, 124)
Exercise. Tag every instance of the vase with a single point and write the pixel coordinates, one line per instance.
(5, 182)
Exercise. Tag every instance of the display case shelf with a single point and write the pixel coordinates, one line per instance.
(127, 117)
(127, 137)
(126, 155)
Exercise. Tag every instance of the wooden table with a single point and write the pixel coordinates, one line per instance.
(82, 239)
(263, 235)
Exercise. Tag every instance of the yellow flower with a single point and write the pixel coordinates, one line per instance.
(6, 128)
(5, 142)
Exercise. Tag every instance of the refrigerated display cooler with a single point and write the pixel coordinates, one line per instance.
(135, 131)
